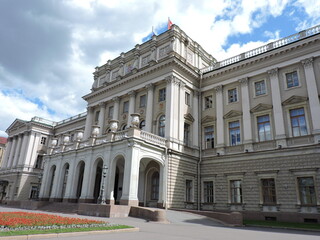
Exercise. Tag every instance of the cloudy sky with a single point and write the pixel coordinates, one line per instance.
(49, 48)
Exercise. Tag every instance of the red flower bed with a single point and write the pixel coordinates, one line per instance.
(19, 219)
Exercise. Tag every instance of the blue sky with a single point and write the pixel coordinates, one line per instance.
(49, 49)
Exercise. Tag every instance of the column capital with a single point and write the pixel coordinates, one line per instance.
(90, 108)
(172, 79)
(116, 99)
(149, 86)
(273, 72)
(219, 88)
(307, 63)
(132, 93)
(244, 81)
(102, 104)
(182, 85)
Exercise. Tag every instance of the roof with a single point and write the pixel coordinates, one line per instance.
(3, 140)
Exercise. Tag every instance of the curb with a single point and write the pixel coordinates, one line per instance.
(284, 228)
(59, 235)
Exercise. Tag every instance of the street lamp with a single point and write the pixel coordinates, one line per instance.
(104, 174)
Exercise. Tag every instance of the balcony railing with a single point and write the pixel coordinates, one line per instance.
(254, 52)
(109, 138)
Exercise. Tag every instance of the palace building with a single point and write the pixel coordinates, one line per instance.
(169, 126)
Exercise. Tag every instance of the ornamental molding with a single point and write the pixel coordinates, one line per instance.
(261, 107)
(208, 119)
(273, 72)
(244, 81)
(294, 99)
(232, 113)
(189, 117)
(307, 63)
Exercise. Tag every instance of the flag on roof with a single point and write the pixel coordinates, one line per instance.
(169, 23)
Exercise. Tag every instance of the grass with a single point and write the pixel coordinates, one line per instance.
(66, 230)
(307, 226)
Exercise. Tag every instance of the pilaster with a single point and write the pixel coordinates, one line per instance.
(196, 115)
(87, 129)
(132, 102)
(219, 113)
(102, 118)
(149, 110)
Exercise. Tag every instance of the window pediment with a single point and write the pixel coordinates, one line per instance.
(294, 99)
(261, 107)
(208, 119)
(232, 113)
(189, 117)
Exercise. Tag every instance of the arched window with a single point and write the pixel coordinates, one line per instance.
(161, 129)
(142, 125)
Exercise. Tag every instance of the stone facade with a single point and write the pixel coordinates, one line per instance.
(169, 126)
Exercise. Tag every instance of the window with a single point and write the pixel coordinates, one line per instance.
(208, 192)
(110, 113)
(43, 140)
(34, 192)
(143, 101)
(264, 130)
(187, 99)
(126, 107)
(268, 191)
(162, 94)
(142, 125)
(260, 88)
(162, 122)
(298, 122)
(307, 191)
(189, 188)
(209, 137)
(236, 191)
(186, 133)
(292, 79)
(234, 133)
(39, 161)
(155, 186)
(232, 95)
(208, 102)
(96, 118)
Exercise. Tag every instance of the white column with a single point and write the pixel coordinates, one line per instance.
(70, 181)
(196, 116)
(44, 189)
(12, 152)
(162, 184)
(56, 187)
(88, 125)
(34, 153)
(4, 163)
(172, 98)
(219, 113)
(30, 148)
(24, 149)
(132, 102)
(312, 94)
(17, 152)
(85, 191)
(181, 105)
(149, 110)
(246, 117)
(116, 107)
(131, 177)
(102, 118)
(277, 107)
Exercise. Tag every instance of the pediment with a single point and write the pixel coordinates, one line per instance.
(261, 107)
(16, 124)
(189, 117)
(232, 113)
(294, 99)
(207, 119)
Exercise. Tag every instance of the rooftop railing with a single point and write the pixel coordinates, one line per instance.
(254, 52)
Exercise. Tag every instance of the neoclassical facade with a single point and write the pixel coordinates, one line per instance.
(169, 126)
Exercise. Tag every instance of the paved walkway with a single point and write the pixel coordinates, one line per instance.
(185, 226)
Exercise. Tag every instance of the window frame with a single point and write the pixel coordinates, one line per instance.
(210, 103)
(186, 134)
(204, 195)
(231, 192)
(189, 195)
(205, 139)
(298, 117)
(125, 107)
(110, 112)
(263, 188)
(286, 79)
(187, 99)
(315, 203)
(228, 95)
(162, 94)
(143, 104)
(258, 132)
(255, 90)
(43, 140)
(229, 132)
(162, 128)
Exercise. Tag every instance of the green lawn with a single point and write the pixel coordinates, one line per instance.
(314, 226)
(66, 230)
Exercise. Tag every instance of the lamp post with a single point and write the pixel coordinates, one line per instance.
(104, 174)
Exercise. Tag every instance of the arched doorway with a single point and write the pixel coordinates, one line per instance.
(118, 180)
(80, 179)
(149, 193)
(97, 182)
